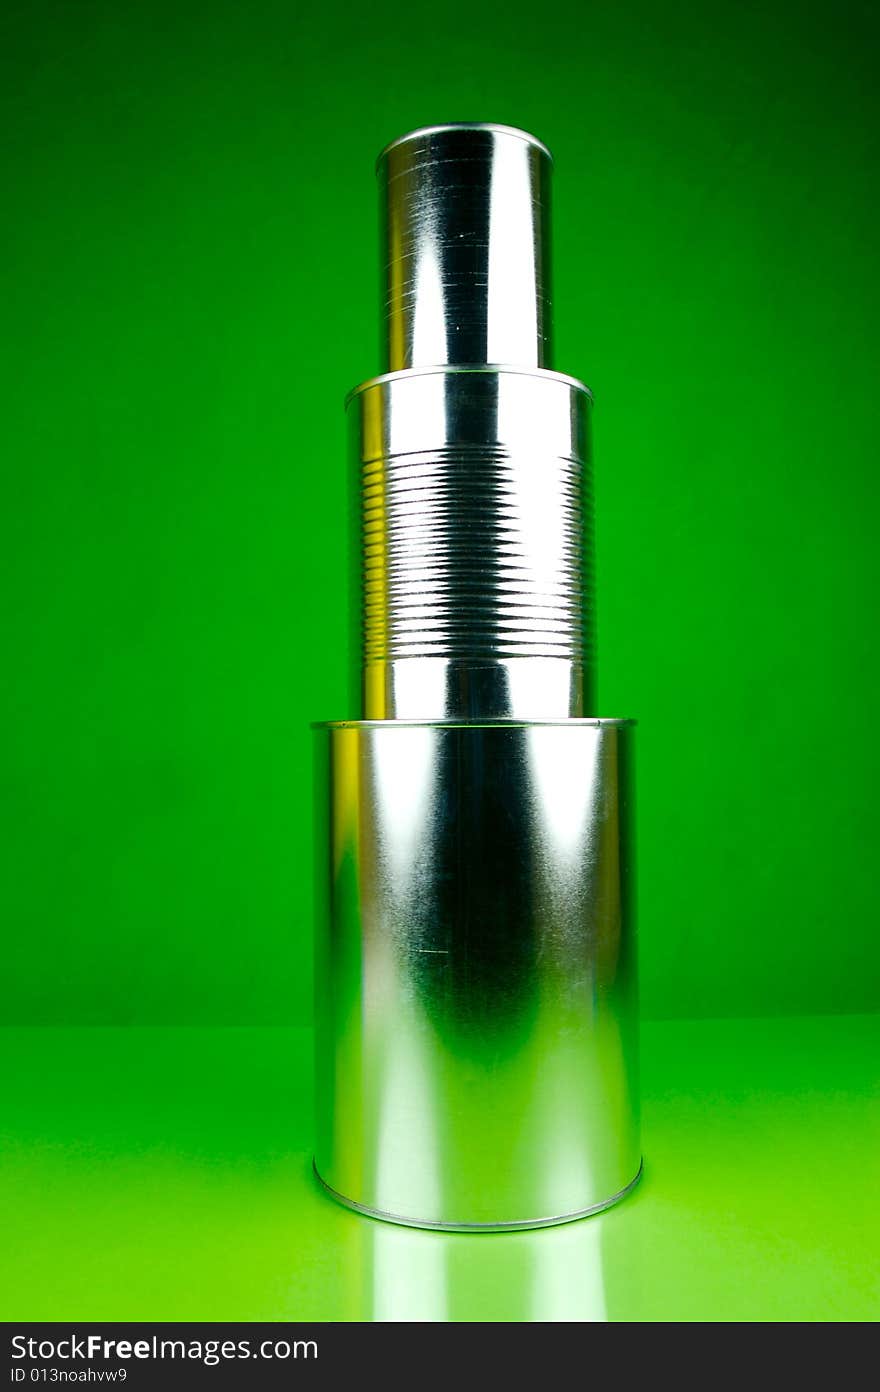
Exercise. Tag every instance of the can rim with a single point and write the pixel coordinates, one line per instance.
(578, 722)
(444, 126)
(453, 369)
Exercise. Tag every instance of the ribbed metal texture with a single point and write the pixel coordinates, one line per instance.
(475, 554)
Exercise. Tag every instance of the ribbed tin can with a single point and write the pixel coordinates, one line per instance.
(474, 496)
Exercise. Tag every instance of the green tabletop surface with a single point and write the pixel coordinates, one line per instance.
(165, 1174)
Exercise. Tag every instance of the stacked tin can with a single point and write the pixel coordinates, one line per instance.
(476, 1009)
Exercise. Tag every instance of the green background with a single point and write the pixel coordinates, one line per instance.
(189, 288)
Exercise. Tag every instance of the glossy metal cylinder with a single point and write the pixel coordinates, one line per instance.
(474, 600)
(476, 1003)
(465, 214)
(476, 1035)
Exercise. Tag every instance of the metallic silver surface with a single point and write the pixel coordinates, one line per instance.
(476, 1003)
(519, 1226)
(465, 216)
(475, 964)
(475, 597)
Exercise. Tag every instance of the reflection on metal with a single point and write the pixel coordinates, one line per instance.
(476, 1003)
(465, 217)
(476, 985)
(477, 591)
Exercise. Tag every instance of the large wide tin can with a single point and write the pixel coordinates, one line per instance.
(476, 970)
